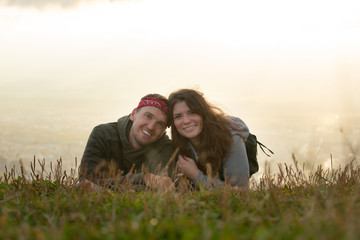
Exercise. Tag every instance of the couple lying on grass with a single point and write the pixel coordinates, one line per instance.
(207, 147)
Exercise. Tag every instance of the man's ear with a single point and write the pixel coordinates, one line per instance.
(132, 114)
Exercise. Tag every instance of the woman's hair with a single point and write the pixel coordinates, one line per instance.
(215, 137)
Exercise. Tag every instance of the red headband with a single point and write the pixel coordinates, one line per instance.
(154, 102)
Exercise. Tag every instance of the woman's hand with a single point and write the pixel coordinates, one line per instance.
(88, 186)
(188, 167)
(158, 182)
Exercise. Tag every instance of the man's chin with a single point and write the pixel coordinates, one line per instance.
(147, 142)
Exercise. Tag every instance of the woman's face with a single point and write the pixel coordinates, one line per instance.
(187, 123)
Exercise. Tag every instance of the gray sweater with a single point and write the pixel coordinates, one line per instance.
(235, 165)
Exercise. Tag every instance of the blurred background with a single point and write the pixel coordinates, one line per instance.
(289, 69)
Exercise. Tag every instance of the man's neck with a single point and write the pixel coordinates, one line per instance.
(135, 145)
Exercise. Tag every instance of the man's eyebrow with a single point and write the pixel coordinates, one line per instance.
(154, 115)
(149, 113)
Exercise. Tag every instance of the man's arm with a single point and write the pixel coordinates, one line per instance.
(94, 154)
(162, 158)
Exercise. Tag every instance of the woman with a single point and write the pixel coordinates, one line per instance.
(212, 148)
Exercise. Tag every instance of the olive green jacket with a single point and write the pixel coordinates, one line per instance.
(108, 153)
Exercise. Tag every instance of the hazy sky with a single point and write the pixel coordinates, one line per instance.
(235, 51)
(261, 59)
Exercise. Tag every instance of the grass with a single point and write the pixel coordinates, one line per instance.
(291, 204)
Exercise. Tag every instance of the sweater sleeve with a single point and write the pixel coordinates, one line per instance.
(93, 154)
(160, 160)
(235, 167)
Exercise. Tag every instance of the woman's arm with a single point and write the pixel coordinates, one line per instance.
(236, 165)
(235, 168)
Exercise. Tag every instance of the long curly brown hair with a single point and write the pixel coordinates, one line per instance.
(215, 137)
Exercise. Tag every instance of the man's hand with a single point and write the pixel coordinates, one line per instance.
(89, 186)
(158, 182)
(188, 167)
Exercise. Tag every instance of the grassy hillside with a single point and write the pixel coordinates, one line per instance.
(293, 204)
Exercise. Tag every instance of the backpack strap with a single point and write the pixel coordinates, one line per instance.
(262, 146)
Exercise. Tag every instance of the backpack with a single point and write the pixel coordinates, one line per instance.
(251, 144)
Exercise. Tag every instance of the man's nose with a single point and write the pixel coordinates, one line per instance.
(151, 124)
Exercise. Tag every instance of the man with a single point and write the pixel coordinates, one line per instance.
(134, 149)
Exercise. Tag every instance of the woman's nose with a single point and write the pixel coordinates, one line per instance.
(186, 119)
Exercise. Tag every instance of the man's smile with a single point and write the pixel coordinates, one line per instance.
(146, 133)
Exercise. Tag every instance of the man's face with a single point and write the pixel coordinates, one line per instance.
(149, 123)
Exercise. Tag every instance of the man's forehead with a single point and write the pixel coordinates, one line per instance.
(157, 113)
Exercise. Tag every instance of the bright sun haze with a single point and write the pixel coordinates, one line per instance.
(289, 69)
